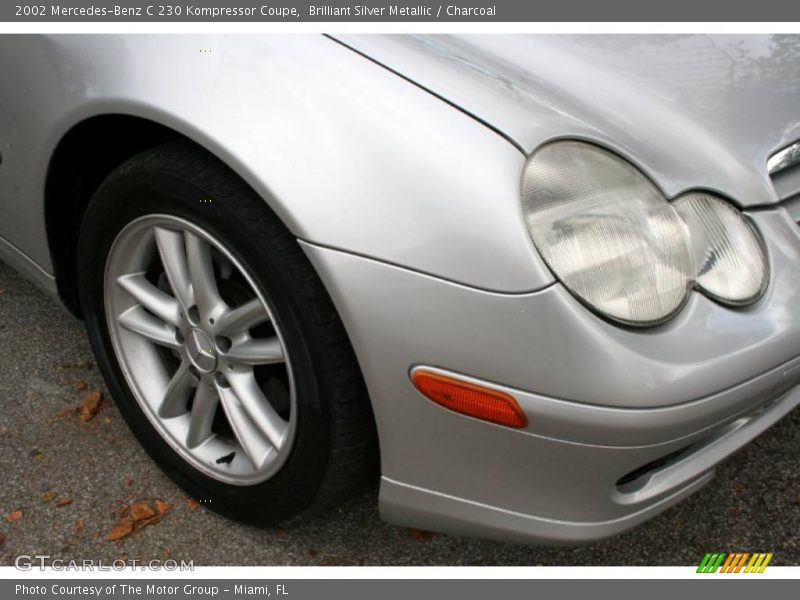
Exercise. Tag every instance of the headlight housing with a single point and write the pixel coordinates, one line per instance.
(731, 265)
(613, 239)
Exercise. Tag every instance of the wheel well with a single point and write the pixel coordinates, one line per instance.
(83, 158)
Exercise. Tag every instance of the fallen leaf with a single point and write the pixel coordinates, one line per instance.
(151, 521)
(91, 405)
(162, 507)
(2, 538)
(2, 291)
(106, 420)
(192, 504)
(135, 516)
(38, 456)
(140, 511)
(312, 553)
(421, 535)
(122, 529)
(129, 482)
(14, 516)
(79, 526)
(49, 497)
(80, 386)
(64, 502)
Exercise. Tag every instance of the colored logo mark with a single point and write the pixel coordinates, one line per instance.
(734, 562)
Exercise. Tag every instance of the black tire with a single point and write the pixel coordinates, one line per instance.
(335, 449)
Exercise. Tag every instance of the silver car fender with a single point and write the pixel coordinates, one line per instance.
(349, 155)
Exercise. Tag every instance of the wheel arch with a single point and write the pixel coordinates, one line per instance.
(84, 156)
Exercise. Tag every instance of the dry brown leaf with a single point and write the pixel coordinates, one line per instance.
(136, 516)
(2, 291)
(123, 528)
(2, 538)
(421, 535)
(64, 502)
(192, 504)
(145, 522)
(13, 516)
(80, 386)
(79, 526)
(162, 507)
(49, 497)
(141, 511)
(91, 405)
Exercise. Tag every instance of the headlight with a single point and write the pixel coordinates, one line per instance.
(607, 232)
(728, 254)
(618, 245)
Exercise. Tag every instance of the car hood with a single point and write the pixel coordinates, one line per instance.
(693, 111)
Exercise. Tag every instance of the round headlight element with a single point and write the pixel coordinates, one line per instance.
(731, 263)
(607, 232)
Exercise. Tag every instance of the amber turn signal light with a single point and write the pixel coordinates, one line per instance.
(470, 399)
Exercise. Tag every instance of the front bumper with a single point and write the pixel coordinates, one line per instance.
(579, 481)
(609, 408)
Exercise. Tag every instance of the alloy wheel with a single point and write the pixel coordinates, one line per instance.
(200, 348)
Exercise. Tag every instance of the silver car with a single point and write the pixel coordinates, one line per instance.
(540, 286)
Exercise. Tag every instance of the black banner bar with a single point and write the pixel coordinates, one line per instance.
(148, 11)
(731, 588)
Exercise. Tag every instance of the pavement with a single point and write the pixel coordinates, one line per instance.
(64, 482)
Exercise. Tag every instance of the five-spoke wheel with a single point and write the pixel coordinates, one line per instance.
(201, 350)
(218, 342)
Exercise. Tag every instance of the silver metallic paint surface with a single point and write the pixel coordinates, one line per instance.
(592, 506)
(469, 475)
(548, 343)
(691, 110)
(346, 153)
(354, 158)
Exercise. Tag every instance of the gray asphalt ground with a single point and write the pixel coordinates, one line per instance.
(752, 505)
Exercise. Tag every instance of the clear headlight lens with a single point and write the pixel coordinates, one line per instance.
(618, 245)
(607, 232)
(728, 254)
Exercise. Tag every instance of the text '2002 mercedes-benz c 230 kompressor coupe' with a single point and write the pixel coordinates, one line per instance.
(542, 285)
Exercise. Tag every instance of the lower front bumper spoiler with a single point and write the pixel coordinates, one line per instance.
(646, 496)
